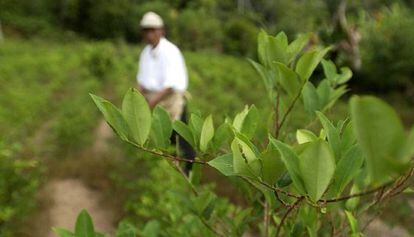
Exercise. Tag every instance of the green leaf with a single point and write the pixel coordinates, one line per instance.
(224, 164)
(277, 48)
(240, 217)
(184, 131)
(308, 62)
(250, 122)
(161, 127)
(239, 119)
(202, 203)
(245, 161)
(381, 136)
(137, 114)
(304, 136)
(222, 135)
(345, 75)
(112, 116)
(333, 134)
(353, 223)
(207, 133)
(317, 166)
(291, 161)
(126, 230)
(348, 167)
(324, 94)
(352, 204)
(288, 79)
(408, 190)
(408, 151)
(296, 47)
(262, 42)
(310, 98)
(196, 125)
(329, 69)
(62, 232)
(249, 144)
(284, 180)
(84, 226)
(151, 229)
(264, 74)
(273, 167)
(309, 217)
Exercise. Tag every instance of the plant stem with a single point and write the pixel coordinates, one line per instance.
(266, 218)
(168, 156)
(279, 228)
(291, 106)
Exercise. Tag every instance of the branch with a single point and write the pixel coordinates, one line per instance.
(210, 227)
(276, 123)
(286, 215)
(281, 201)
(356, 194)
(168, 156)
(291, 106)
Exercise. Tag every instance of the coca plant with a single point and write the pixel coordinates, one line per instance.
(318, 183)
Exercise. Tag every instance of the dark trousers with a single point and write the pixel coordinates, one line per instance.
(185, 148)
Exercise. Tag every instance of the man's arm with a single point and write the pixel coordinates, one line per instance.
(160, 96)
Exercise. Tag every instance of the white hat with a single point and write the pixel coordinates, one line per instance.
(151, 20)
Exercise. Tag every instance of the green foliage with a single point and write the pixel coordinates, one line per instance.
(386, 157)
(161, 127)
(203, 32)
(19, 181)
(137, 115)
(240, 36)
(318, 167)
(386, 49)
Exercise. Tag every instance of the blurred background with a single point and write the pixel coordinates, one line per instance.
(57, 156)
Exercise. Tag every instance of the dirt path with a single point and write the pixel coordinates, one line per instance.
(380, 229)
(69, 197)
(63, 196)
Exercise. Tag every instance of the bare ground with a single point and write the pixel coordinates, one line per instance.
(378, 228)
(69, 197)
(72, 187)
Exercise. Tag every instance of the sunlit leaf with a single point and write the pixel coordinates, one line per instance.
(84, 226)
(304, 136)
(207, 133)
(317, 166)
(380, 133)
(308, 62)
(112, 116)
(224, 164)
(184, 131)
(161, 127)
(137, 114)
(291, 161)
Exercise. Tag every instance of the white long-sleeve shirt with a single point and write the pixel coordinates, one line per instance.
(162, 67)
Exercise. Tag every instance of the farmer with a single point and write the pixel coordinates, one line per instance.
(162, 76)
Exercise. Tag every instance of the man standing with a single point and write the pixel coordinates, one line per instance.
(162, 75)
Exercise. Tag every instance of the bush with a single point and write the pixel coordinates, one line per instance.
(99, 59)
(387, 50)
(196, 29)
(240, 36)
(19, 181)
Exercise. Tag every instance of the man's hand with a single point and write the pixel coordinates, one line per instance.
(152, 103)
(159, 97)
